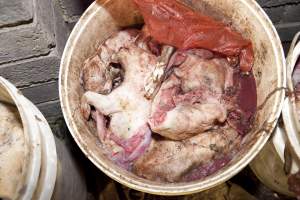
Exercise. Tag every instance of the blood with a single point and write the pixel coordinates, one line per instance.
(205, 170)
(294, 184)
(246, 103)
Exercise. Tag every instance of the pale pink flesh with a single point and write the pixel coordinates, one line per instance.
(130, 144)
(296, 77)
(186, 160)
(126, 106)
(190, 100)
(180, 56)
(166, 104)
(100, 123)
(203, 171)
(128, 102)
(133, 147)
(296, 82)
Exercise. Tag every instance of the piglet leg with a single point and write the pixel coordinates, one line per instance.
(106, 104)
(100, 123)
(133, 147)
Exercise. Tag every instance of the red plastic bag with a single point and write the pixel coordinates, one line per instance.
(173, 23)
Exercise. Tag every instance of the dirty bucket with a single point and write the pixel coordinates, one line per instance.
(103, 18)
(30, 161)
(281, 156)
(27, 138)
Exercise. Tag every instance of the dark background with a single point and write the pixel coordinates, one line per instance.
(32, 37)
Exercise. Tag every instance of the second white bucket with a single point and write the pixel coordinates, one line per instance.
(48, 170)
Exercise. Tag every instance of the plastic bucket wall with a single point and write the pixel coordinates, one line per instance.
(269, 164)
(31, 166)
(45, 176)
(103, 18)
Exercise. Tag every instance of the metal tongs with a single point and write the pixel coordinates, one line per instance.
(158, 75)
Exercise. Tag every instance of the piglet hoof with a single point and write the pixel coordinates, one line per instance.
(85, 108)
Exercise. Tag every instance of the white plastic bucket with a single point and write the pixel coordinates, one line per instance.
(270, 162)
(104, 17)
(45, 176)
(42, 159)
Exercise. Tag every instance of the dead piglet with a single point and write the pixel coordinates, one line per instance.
(171, 161)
